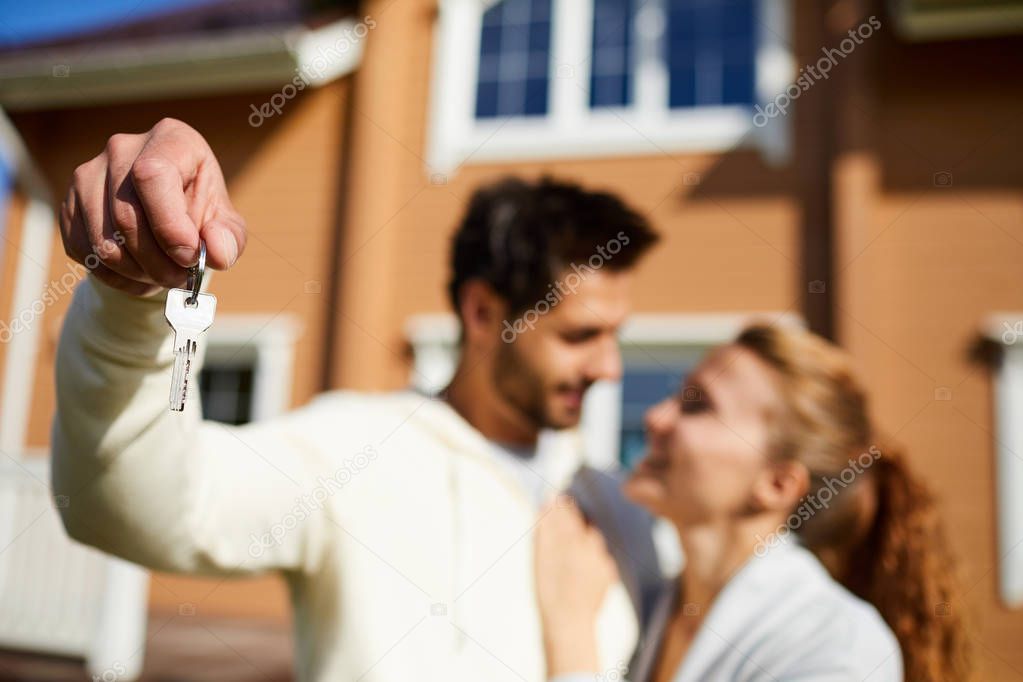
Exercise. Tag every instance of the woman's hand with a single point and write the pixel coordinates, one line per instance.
(573, 573)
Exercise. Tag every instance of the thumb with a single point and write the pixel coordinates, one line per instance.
(225, 239)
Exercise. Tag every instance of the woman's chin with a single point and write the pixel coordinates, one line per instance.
(644, 490)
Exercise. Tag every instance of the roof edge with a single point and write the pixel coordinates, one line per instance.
(246, 60)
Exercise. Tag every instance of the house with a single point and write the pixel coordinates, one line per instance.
(852, 166)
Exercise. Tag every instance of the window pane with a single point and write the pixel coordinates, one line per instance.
(226, 392)
(610, 58)
(514, 61)
(711, 52)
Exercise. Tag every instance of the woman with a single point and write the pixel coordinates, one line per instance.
(810, 551)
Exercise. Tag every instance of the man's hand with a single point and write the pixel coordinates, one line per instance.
(134, 214)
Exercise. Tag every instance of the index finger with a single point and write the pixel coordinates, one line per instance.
(164, 167)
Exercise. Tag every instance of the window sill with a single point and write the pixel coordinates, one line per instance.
(611, 133)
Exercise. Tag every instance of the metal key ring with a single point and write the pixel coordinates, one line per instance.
(195, 275)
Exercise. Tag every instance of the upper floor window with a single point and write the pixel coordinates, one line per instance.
(565, 78)
(514, 59)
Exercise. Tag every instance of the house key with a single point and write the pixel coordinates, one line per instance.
(189, 313)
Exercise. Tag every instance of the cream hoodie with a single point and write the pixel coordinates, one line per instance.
(406, 547)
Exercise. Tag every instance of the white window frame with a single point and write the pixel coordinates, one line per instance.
(268, 341)
(571, 129)
(1007, 329)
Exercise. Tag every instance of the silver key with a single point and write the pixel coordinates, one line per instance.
(188, 321)
(189, 313)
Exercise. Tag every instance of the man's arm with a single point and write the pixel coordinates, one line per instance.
(162, 488)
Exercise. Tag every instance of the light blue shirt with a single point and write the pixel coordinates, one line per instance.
(780, 618)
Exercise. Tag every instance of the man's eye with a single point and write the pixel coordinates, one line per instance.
(578, 336)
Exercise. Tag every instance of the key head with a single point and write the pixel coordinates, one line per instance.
(190, 319)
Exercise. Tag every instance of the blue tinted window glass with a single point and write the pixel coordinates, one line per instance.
(610, 56)
(711, 51)
(607, 91)
(738, 86)
(486, 100)
(643, 387)
(536, 97)
(514, 60)
(682, 90)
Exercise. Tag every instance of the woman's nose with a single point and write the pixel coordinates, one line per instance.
(659, 417)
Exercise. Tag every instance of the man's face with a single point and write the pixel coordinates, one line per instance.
(550, 355)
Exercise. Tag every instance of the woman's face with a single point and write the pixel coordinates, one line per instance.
(707, 446)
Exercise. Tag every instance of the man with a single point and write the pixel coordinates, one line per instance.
(401, 522)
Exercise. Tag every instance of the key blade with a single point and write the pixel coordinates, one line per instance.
(179, 378)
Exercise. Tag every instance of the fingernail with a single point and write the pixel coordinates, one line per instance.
(182, 255)
(230, 247)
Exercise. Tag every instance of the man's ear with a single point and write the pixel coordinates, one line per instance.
(781, 485)
(482, 312)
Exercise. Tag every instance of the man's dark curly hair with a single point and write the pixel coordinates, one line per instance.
(519, 236)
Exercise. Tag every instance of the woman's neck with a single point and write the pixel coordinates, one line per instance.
(715, 552)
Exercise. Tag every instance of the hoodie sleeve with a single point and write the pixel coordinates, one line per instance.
(167, 489)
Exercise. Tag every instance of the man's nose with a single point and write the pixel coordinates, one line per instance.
(606, 364)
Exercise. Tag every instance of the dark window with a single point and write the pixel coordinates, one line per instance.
(226, 391)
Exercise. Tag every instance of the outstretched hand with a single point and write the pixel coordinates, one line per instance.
(134, 214)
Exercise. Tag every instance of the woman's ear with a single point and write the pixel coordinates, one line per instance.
(781, 485)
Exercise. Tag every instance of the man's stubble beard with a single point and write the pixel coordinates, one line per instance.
(520, 386)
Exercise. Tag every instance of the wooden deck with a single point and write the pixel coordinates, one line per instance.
(181, 649)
